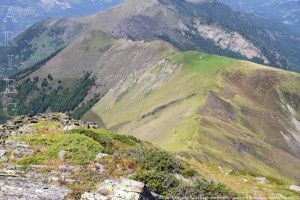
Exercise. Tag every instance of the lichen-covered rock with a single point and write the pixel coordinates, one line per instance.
(66, 170)
(20, 188)
(100, 156)
(261, 180)
(61, 154)
(122, 189)
(2, 153)
(92, 196)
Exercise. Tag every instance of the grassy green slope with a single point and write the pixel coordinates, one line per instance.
(221, 111)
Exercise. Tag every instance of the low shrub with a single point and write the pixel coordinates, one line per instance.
(110, 141)
(155, 159)
(200, 189)
(31, 160)
(158, 182)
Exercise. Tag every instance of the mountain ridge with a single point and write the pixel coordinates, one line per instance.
(184, 25)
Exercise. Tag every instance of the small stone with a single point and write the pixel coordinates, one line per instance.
(21, 152)
(181, 178)
(295, 188)
(67, 170)
(61, 154)
(100, 156)
(70, 181)
(22, 144)
(100, 168)
(261, 180)
(2, 153)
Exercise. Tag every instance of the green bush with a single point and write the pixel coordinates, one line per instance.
(200, 189)
(158, 182)
(32, 160)
(189, 172)
(155, 159)
(110, 141)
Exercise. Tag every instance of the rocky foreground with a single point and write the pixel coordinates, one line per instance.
(18, 183)
(51, 156)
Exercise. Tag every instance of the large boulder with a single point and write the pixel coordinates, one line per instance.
(19, 188)
(122, 189)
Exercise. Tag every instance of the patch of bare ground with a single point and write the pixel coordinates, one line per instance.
(217, 107)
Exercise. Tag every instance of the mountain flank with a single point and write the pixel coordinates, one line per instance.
(207, 26)
(236, 112)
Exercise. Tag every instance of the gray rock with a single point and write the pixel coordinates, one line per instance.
(181, 178)
(125, 189)
(25, 189)
(66, 170)
(69, 128)
(100, 168)
(93, 196)
(295, 188)
(21, 152)
(22, 144)
(61, 154)
(2, 152)
(3, 155)
(261, 180)
(100, 156)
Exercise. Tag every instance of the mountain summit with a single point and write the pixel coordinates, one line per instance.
(207, 26)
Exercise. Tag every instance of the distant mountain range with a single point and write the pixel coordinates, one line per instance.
(285, 11)
(17, 15)
(207, 26)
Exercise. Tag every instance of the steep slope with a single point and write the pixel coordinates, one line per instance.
(109, 60)
(37, 43)
(207, 26)
(223, 111)
(284, 11)
(74, 78)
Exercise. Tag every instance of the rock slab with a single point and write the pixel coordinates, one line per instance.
(12, 188)
(123, 189)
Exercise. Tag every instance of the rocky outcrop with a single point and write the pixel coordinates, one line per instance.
(18, 125)
(20, 188)
(35, 182)
(123, 189)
